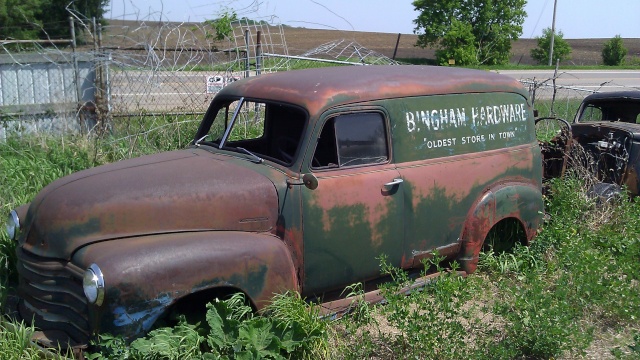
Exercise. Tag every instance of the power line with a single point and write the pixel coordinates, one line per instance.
(539, 17)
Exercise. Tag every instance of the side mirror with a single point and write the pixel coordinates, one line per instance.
(308, 180)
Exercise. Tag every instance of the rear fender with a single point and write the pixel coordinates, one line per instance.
(144, 276)
(509, 200)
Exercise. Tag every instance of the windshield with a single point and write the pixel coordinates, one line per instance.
(258, 129)
(612, 110)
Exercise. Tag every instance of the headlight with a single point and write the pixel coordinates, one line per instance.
(93, 285)
(13, 225)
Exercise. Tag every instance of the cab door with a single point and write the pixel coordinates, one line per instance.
(354, 215)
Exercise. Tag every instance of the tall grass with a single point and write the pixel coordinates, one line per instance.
(15, 344)
(565, 108)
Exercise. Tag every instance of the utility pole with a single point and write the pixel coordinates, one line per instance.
(553, 32)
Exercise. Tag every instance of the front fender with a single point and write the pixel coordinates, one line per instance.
(520, 201)
(145, 275)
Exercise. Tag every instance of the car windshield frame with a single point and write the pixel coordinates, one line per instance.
(258, 128)
(611, 110)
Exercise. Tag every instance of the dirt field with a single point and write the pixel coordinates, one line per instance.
(299, 40)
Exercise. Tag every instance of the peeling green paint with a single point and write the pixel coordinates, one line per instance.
(342, 246)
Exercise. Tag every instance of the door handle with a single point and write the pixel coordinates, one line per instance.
(391, 184)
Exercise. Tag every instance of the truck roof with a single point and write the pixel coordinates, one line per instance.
(614, 95)
(320, 88)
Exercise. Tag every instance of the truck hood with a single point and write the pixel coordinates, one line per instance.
(179, 191)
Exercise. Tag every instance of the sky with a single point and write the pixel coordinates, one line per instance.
(575, 18)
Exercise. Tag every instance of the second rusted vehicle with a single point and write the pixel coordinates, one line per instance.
(294, 181)
(603, 139)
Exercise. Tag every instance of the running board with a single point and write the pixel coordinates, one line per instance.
(337, 308)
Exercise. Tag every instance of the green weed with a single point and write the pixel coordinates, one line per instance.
(15, 344)
(292, 330)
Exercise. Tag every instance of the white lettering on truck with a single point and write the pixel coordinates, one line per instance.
(440, 119)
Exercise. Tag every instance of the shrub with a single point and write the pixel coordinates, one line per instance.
(561, 48)
(613, 52)
(291, 329)
(634, 61)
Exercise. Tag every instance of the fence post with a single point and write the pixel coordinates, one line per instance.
(247, 65)
(395, 51)
(258, 53)
(555, 89)
(76, 74)
(107, 84)
(97, 83)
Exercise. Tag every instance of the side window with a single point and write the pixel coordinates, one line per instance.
(351, 140)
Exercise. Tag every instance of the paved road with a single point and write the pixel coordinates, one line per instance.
(590, 80)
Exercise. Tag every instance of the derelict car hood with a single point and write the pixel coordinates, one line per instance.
(632, 128)
(188, 190)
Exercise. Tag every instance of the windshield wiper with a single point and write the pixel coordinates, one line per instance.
(256, 159)
(197, 143)
(203, 141)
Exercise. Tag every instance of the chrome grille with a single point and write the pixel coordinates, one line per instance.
(51, 294)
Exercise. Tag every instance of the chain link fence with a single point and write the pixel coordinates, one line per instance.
(47, 92)
(133, 77)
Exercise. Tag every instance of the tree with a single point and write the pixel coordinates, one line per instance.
(44, 19)
(458, 44)
(453, 27)
(561, 48)
(57, 12)
(19, 19)
(222, 26)
(613, 52)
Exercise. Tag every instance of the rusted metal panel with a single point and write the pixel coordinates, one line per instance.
(349, 222)
(171, 192)
(322, 88)
(337, 308)
(51, 295)
(438, 126)
(155, 271)
(438, 194)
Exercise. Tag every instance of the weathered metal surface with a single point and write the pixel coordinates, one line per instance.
(186, 190)
(349, 222)
(441, 126)
(337, 308)
(490, 136)
(51, 295)
(155, 271)
(437, 206)
(322, 88)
